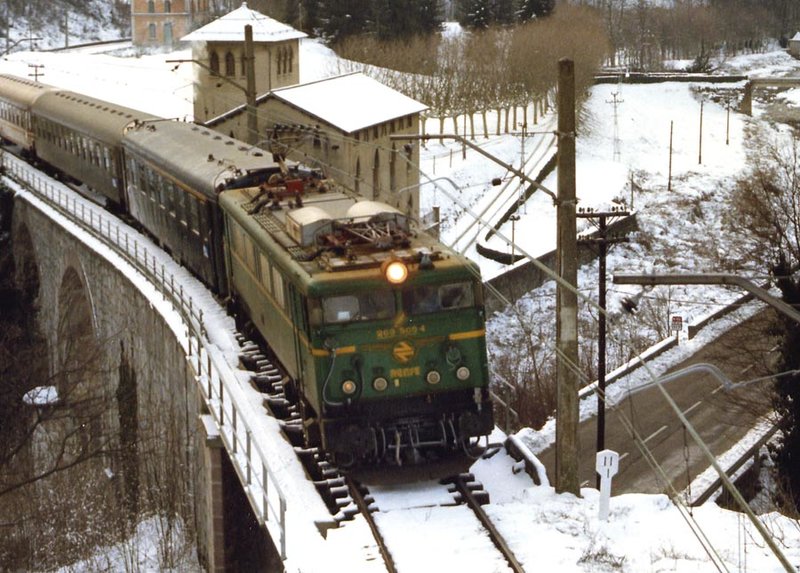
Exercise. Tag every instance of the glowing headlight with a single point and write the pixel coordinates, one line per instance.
(462, 373)
(349, 387)
(433, 377)
(396, 272)
(380, 384)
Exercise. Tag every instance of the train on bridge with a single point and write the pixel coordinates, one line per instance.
(379, 327)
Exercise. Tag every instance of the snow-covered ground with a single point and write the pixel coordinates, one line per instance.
(548, 531)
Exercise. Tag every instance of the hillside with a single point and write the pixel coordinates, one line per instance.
(87, 21)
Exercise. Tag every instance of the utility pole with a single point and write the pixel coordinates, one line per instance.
(36, 73)
(700, 147)
(601, 219)
(250, 92)
(566, 298)
(615, 101)
(669, 177)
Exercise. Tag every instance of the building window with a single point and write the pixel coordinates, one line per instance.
(151, 6)
(167, 6)
(230, 64)
(213, 63)
(151, 31)
(281, 59)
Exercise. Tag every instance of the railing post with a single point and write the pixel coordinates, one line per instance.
(283, 528)
(248, 444)
(235, 429)
(264, 488)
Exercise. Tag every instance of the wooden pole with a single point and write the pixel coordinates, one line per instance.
(249, 56)
(566, 298)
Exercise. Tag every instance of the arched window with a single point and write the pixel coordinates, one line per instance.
(376, 176)
(280, 60)
(230, 64)
(289, 59)
(151, 31)
(151, 6)
(167, 6)
(168, 39)
(213, 63)
(357, 182)
(392, 166)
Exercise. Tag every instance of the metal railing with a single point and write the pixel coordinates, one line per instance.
(220, 389)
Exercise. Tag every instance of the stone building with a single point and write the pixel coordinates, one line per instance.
(344, 125)
(163, 22)
(218, 50)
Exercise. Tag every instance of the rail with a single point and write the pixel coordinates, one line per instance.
(215, 377)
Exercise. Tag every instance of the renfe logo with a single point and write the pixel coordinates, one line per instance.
(403, 351)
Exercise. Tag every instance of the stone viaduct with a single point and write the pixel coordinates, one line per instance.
(88, 306)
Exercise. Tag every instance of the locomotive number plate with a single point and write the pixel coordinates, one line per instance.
(385, 333)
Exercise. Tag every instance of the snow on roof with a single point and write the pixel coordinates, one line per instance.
(796, 37)
(349, 102)
(230, 28)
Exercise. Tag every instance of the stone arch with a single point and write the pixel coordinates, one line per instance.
(76, 343)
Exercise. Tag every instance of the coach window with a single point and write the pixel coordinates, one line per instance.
(277, 286)
(172, 197)
(265, 272)
(194, 216)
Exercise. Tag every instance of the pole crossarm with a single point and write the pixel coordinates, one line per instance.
(486, 154)
(710, 279)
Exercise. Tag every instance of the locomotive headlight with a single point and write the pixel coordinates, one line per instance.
(462, 373)
(433, 377)
(349, 387)
(396, 272)
(380, 384)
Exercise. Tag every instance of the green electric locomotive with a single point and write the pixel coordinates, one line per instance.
(380, 327)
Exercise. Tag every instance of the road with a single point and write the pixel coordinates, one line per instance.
(721, 417)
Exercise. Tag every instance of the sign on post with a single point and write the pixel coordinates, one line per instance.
(679, 327)
(607, 465)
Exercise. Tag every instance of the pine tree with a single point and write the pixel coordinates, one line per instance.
(530, 9)
(503, 12)
(339, 19)
(475, 14)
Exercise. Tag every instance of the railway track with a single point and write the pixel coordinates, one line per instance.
(446, 513)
